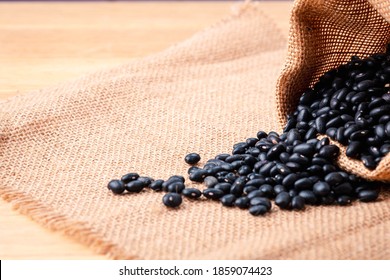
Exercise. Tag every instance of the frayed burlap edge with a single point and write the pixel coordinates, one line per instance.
(51, 220)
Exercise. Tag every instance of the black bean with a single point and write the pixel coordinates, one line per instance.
(369, 162)
(157, 185)
(298, 203)
(135, 186)
(303, 184)
(213, 193)
(198, 175)
(192, 169)
(387, 129)
(225, 187)
(192, 158)
(294, 166)
(353, 149)
(222, 156)
(191, 193)
(315, 169)
(238, 186)
(293, 135)
(251, 141)
(311, 133)
(335, 122)
(364, 85)
(172, 199)
(116, 186)
(249, 189)
(228, 200)
(304, 149)
(359, 135)
(344, 200)
(321, 124)
(328, 168)
(129, 177)
(283, 200)
(210, 181)
(329, 152)
(298, 158)
(260, 201)
(255, 193)
(257, 210)
(368, 195)
(145, 180)
(321, 188)
(379, 111)
(334, 178)
(343, 189)
(279, 188)
(176, 187)
(242, 202)
(268, 190)
(308, 196)
(244, 170)
(261, 134)
(350, 129)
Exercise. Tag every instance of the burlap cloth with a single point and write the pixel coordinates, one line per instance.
(60, 146)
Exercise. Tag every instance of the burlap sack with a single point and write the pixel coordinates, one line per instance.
(323, 35)
(60, 146)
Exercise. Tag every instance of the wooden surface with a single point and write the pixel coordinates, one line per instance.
(46, 43)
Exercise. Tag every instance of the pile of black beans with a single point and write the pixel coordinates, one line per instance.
(349, 104)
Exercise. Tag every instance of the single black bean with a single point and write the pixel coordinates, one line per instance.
(368, 195)
(368, 162)
(257, 210)
(129, 177)
(329, 152)
(303, 184)
(279, 188)
(135, 186)
(157, 185)
(145, 180)
(283, 200)
(334, 178)
(191, 193)
(213, 193)
(198, 175)
(328, 168)
(242, 202)
(249, 189)
(353, 149)
(210, 181)
(176, 187)
(321, 188)
(300, 159)
(304, 149)
(192, 158)
(343, 189)
(298, 203)
(260, 201)
(172, 200)
(255, 193)
(116, 186)
(344, 200)
(225, 187)
(228, 200)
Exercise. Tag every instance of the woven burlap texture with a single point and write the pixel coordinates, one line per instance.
(60, 146)
(323, 35)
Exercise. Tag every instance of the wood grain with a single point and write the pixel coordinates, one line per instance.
(46, 43)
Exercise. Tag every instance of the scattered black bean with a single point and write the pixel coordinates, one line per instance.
(116, 186)
(192, 158)
(191, 193)
(172, 200)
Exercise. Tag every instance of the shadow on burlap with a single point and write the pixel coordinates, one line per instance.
(60, 146)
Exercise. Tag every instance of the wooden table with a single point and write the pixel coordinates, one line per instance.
(45, 43)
